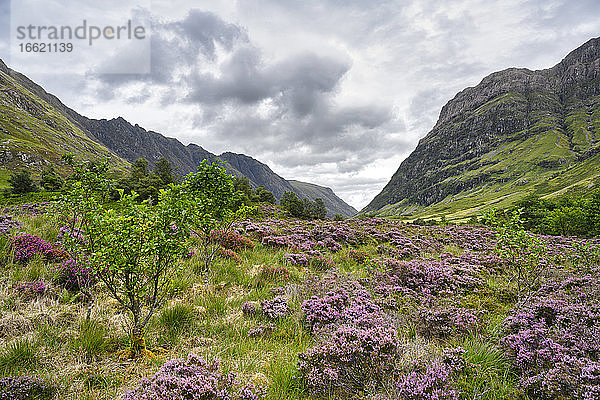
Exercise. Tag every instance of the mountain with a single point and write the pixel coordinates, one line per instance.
(517, 132)
(334, 204)
(34, 134)
(36, 128)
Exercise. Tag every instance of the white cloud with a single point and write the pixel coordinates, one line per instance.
(334, 93)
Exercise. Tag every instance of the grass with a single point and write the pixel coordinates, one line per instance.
(50, 337)
(91, 339)
(19, 355)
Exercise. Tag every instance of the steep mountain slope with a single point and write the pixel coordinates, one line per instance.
(334, 204)
(259, 174)
(36, 128)
(33, 133)
(517, 132)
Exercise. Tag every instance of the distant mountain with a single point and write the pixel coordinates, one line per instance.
(518, 132)
(36, 128)
(334, 204)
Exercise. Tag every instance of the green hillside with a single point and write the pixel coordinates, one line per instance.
(518, 132)
(34, 134)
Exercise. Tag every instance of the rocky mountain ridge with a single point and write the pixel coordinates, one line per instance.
(512, 134)
(36, 128)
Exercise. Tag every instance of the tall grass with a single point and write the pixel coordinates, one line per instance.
(18, 355)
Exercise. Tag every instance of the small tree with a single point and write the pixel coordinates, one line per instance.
(214, 206)
(132, 248)
(264, 196)
(86, 192)
(292, 204)
(135, 250)
(50, 180)
(164, 170)
(21, 182)
(319, 210)
(523, 251)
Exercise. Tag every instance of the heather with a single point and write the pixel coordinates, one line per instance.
(295, 308)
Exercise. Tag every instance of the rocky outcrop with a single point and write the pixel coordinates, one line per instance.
(484, 126)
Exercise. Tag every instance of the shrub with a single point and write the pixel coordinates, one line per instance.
(32, 290)
(444, 322)
(250, 308)
(296, 259)
(21, 182)
(276, 308)
(229, 255)
(351, 360)
(26, 246)
(433, 380)
(231, 240)
(552, 341)
(192, 378)
(7, 224)
(73, 276)
(26, 388)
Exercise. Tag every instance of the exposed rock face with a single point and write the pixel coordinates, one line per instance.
(515, 122)
(132, 142)
(258, 173)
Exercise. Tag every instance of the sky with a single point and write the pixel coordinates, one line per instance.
(330, 92)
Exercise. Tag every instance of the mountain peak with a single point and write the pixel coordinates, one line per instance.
(4, 68)
(517, 132)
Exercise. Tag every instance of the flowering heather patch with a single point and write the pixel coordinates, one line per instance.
(330, 244)
(447, 321)
(276, 241)
(276, 308)
(432, 380)
(229, 254)
(350, 360)
(73, 276)
(31, 290)
(274, 273)
(192, 378)
(553, 340)
(361, 349)
(74, 233)
(319, 312)
(425, 279)
(25, 388)
(250, 308)
(296, 258)
(26, 246)
(28, 209)
(232, 240)
(261, 330)
(7, 224)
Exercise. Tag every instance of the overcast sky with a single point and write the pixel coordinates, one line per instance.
(331, 92)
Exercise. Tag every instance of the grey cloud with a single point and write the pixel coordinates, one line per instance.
(180, 44)
(202, 31)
